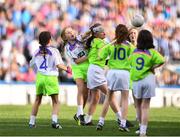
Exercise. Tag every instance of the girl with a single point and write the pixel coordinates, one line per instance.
(132, 38)
(144, 60)
(46, 61)
(75, 49)
(118, 74)
(96, 79)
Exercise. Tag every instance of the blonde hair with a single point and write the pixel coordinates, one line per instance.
(63, 35)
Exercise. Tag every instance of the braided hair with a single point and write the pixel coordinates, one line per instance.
(44, 38)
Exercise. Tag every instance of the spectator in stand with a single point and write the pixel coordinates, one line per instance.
(21, 21)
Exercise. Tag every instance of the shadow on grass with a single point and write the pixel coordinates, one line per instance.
(19, 127)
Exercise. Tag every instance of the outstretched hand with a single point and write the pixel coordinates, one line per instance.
(69, 70)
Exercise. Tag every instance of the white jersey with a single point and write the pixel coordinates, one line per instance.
(76, 50)
(47, 65)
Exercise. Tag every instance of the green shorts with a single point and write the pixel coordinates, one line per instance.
(46, 85)
(80, 70)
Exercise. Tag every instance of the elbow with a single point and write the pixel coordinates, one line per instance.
(77, 62)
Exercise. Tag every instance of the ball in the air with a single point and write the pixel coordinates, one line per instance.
(137, 20)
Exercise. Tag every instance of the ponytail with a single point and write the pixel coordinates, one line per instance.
(43, 50)
(88, 43)
(44, 38)
(93, 30)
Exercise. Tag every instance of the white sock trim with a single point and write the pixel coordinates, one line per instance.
(143, 129)
(123, 122)
(32, 120)
(54, 118)
(88, 118)
(79, 110)
(118, 115)
(101, 120)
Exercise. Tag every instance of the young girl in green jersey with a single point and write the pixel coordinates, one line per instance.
(75, 49)
(132, 38)
(118, 74)
(144, 60)
(46, 61)
(96, 79)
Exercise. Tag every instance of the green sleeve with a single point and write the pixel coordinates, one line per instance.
(157, 58)
(104, 52)
(98, 43)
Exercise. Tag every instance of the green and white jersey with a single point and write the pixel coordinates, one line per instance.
(142, 61)
(76, 50)
(47, 65)
(118, 55)
(93, 57)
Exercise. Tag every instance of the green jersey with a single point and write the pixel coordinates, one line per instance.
(118, 55)
(93, 58)
(142, 61)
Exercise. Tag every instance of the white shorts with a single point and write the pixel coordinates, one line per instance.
(118, 80)
(144, 88)
(95, 76)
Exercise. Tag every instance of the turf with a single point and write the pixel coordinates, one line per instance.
(14, 122)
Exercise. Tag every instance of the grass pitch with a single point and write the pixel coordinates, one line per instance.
(14, 122)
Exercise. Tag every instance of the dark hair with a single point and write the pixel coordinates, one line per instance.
(121, 33)
(145, 40)
(89, 40)
(44, 38)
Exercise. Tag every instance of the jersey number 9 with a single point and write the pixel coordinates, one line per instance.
(140, 63)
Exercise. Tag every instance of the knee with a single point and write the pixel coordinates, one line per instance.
(55, 102)
(95, 100)
(38, 101)
(85, 96)
(110, 98)
(144, 107)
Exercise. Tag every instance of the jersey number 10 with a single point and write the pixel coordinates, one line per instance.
(119, 53)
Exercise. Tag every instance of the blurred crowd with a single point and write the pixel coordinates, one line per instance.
(22, 20)
(167, 77)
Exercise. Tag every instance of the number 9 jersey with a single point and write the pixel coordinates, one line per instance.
(47, 65)
(142, 61)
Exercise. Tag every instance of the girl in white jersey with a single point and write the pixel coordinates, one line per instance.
(75, 49)
(46, 61)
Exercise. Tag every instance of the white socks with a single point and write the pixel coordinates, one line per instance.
(101, 120)
(79, 110)
(88, 118)
(123, 122)
(143, 129)
(32, 120)
(54, 118)
(118, 115)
